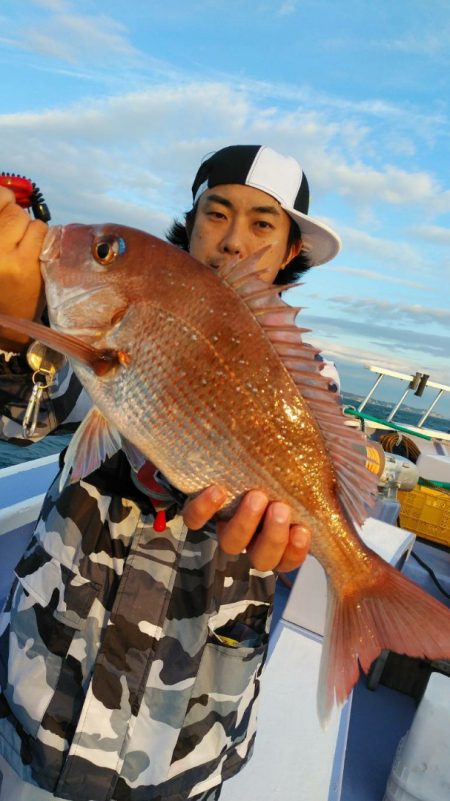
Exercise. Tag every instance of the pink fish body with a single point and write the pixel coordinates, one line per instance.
(207, 376)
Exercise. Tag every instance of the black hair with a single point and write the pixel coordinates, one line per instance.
(179, 234)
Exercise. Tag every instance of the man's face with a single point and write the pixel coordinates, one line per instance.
(234, 221)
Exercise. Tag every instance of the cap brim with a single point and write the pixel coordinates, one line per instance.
(320, 243)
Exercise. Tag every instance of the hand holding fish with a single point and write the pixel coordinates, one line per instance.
(277, 546)
(22, 286)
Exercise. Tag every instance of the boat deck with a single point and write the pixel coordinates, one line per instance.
(379, 718)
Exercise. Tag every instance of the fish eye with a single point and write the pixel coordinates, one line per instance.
(106, 248)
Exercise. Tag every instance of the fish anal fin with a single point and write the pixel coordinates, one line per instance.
(94, 441)
(390, 613)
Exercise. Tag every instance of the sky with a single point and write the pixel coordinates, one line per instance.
(110, 107)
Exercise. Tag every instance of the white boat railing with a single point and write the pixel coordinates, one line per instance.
(417, 384)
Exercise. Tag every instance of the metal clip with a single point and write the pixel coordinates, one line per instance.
(45, 362)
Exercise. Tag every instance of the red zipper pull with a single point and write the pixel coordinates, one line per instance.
(160, 521)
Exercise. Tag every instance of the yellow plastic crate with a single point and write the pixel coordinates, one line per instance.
(426, 512)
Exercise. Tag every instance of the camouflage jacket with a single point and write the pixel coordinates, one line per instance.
(130, 658)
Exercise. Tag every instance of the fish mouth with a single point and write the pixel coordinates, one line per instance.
(60, 298)
(51, 248)
(50, 253)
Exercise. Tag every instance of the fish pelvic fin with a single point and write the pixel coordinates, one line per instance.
(94, 441)
(393, 613)
(346, 446)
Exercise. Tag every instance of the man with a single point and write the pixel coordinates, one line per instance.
(130, 658)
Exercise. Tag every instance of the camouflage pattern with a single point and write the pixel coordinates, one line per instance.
(130, 659)
(14, 788)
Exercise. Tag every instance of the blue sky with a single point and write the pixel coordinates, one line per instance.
(110, 107)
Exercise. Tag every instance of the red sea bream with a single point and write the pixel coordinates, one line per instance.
(206, 374)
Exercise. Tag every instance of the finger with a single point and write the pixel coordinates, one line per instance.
(267, 549)
(14, 223)
(236, 533)
(197, 511)
(6, 196)
(32, 240)
(296, 550)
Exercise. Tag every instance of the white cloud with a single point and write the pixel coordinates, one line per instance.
(397, 124)
(58, 31)
(431, 45)
(360, 337)
(75, 37)
(332, 134)
(387, 185)
(59, 6)
(433, 233)
(384, 251)
(372, 275)
(288, 7)
(155, 138)
(10, 42)
(385, 311)
(364, 355)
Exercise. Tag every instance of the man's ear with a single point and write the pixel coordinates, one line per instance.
(292, 252)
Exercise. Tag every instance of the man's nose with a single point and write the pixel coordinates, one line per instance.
(233, 240)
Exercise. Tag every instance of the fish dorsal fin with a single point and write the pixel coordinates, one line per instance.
(94, 441)
(357, 486)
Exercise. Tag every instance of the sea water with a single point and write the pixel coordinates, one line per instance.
(16, 454)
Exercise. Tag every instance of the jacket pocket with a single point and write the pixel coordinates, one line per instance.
(49, 605)
(222, 712)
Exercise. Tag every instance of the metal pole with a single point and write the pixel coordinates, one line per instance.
(370, 393)
(396, 408)
(430, 409)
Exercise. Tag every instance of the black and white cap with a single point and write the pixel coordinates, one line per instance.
(279, 176)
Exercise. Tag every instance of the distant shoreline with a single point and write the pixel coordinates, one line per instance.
(406, 414)
(388, 405)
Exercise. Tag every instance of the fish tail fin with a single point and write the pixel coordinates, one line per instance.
(391, 613)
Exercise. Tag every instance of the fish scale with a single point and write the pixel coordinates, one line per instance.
(235, 402)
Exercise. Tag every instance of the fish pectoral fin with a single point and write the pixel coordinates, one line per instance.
(100, 360)
(391, 613)
(95, 440)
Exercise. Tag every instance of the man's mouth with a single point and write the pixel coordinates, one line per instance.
(216, 265)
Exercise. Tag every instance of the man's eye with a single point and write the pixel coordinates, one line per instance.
(216, 215)
(264, 224)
